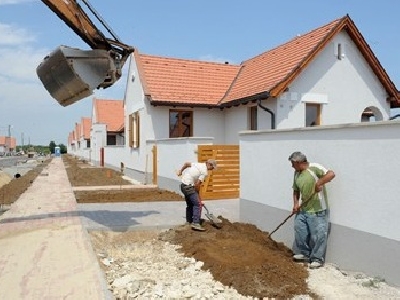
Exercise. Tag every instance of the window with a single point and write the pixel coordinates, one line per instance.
(313, 114)
(111, 140)
(252, 118)
(339, 51)
(180, 123)
(134, 130)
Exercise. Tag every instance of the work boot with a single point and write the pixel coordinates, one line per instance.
(300, 258)
(315, 265)
(198, 227)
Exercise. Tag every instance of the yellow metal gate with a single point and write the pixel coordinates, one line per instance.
(222, 183)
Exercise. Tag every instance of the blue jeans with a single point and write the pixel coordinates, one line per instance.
(193, 207)
(311, 235)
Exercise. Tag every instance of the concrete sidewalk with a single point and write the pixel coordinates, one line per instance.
(45, 250)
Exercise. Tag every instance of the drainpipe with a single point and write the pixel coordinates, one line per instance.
(260, 96)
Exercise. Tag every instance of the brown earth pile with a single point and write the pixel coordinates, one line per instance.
(243, 257)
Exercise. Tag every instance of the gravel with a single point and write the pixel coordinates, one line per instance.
(148, 267)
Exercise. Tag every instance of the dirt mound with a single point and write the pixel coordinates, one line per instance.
(243, 257)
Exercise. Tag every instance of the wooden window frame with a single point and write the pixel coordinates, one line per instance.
(252, 117)
(179, 126)
(319, 111)
(134, 130)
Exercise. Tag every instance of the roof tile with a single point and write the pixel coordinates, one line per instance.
(175, 80)
(111, 113)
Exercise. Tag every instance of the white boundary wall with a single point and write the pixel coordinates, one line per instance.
(364, 196)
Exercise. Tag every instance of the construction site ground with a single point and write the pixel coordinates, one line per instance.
(239, 255)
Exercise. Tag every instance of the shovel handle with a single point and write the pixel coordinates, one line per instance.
(284, 221)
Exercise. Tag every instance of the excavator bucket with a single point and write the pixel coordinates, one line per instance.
(71, 74)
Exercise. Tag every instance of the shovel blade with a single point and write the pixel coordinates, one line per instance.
(217, 222)
(71, 74)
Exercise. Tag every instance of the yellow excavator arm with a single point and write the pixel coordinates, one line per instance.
(70, 74)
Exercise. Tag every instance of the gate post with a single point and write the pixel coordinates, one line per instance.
(155, 175)
(102, 157)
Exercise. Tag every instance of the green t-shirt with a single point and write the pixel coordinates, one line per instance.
(304, 182)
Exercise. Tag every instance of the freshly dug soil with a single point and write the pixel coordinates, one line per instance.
(136, 195)
(80, 173)
(243, 257)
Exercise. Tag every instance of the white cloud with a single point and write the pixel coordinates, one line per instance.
(20, 63)
(12, 35)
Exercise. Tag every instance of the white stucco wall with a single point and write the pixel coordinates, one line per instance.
(98, 140)
(363, 197)
(344, 87)
(363, 156)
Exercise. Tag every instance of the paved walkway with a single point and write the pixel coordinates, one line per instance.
(44, 242)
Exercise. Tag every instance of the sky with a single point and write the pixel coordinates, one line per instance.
(213, 30)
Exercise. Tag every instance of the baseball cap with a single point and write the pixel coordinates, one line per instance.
(213, 163)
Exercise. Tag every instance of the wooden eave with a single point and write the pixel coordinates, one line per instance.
(179, 104)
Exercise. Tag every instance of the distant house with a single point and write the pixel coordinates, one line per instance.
(7, 144)
(77, 134)
(86, 124)
(71, 143)
(107, 125)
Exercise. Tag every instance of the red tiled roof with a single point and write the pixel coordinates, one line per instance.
(86, 125)
(78, 131)
(268, 70)
(177, 81)
(10, 142)
(70, 138)
(111, 113)
(171, 81)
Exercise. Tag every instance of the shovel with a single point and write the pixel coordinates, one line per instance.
(213, 219)
(279, 226)
(289, 216)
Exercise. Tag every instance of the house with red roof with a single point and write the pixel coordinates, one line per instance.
(107, 125)
(7, 144)
(86, 124)
(81, 137)
(327, 76)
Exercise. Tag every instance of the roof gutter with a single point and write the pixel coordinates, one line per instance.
(265, 95)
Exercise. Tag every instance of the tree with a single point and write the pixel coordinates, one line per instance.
(63, 148)
(52, 147)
